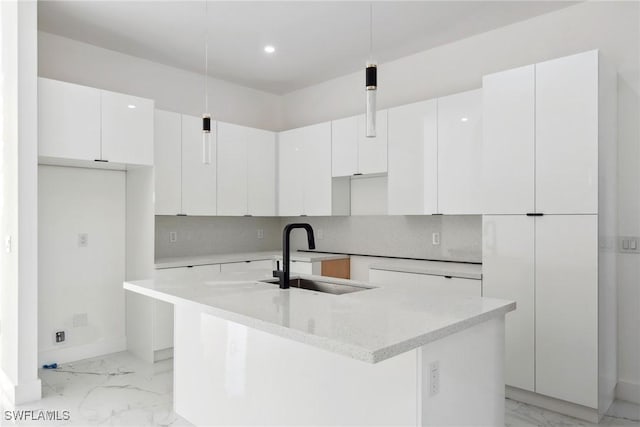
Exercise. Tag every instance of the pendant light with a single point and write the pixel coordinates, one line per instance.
(206, 117)
(371, 83)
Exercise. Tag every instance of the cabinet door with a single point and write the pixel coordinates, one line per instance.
(127, 129)
(412, 175)
(434, 284)
(263, 264)
(261, 161)
(372, 152)
(290, 179)
(566, 274)
(68, 120)
(167, 152)
(459, 152)
(232, 169)
(508, 150)
(198, 178)
(567, 134)
(508, 273)
(317, 190)
(162, 325)
(344, 146)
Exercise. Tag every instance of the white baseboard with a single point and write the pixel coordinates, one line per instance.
(628, 391)
(65, 354)
(13, 394)
(567, 408)
(163, 354)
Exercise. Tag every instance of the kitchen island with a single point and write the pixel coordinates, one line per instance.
(249, 353)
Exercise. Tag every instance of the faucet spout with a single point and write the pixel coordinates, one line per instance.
(286, 250)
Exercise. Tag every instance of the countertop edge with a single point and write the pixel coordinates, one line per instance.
(345, 349)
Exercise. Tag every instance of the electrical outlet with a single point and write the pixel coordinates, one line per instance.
(320, 234)
(435, 238)
(173, 236)
(83, 240)
(7, 244)
(260, 233)
(59, 337)
(434, 378)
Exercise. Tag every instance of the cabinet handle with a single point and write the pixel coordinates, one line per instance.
(100, 160)
(357, 174)
(181, 214)
(534, 214)
(448, 277)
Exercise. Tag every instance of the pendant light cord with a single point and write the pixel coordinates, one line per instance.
(206, 56)
(371, 31)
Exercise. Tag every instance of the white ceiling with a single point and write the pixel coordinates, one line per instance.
(315, 40)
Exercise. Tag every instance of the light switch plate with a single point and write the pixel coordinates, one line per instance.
(629, 244)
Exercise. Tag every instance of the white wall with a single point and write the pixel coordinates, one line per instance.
(80, 288)
(172, 88)
(610, 26)
(18, 204)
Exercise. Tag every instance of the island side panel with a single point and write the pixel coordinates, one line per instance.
(471, 377)
(229, 374)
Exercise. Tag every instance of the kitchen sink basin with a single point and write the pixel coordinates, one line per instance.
(322, 286)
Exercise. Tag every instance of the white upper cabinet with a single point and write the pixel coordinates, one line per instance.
(305, 182)
(127, 129)
(355, 154)
(232, 169)
(290, 176)
(459, 153)
(567, 134)
(246, 171)
(316, 148)
(167, 160)
(262, 162)
(508, 104)
(68, 120)
(198, 178)
(372, 152)
(82, 123)
(413, 159)
(344, 147)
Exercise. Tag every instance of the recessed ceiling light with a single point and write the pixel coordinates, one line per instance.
(269, 49)
(131, 106)
(464, 119)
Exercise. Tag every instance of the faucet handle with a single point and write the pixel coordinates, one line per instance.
(277, 272)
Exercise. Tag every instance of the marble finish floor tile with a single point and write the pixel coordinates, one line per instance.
(120, 390)
(522, 415)
(117, 389)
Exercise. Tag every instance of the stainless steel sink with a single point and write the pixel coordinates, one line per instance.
(322, 286)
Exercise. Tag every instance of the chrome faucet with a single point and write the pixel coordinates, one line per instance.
(286, 252)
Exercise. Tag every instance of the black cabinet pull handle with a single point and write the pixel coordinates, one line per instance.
(534, 214)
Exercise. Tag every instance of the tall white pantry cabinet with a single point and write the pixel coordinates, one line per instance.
(549, 204)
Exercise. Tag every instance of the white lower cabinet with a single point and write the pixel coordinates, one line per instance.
(435, 284)
(549, 266)
(154, 318)
(261, 264)
(508, 273)
(566, 272)
(303, 267)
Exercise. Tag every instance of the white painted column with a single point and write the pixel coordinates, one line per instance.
(18, 207)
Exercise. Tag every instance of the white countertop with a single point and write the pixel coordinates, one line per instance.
(371, 325)
(437, 268)
(245, 256)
